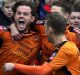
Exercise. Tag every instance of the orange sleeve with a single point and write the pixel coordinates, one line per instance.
(71, 36)
(40, 29)
(59, 61)
(63, 57)
(47, 49)
(34, 70)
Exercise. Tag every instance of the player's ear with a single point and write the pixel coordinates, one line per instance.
(51, 30)
(33, 18)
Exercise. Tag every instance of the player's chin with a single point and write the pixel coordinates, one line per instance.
(21, 29)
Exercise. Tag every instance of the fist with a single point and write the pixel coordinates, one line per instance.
(8, 67)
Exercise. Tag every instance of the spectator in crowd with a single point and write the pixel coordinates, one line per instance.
(66, 59)
(25, 50)
(62, 7)
(67, 11)
(6, 14)
(74, 21)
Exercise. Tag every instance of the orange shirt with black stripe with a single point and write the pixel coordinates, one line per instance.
(68, 56)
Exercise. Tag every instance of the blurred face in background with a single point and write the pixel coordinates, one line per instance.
(7, 9)
(74, 19)
(58, 9)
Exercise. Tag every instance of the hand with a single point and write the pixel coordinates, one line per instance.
(77, 30)
(8, 67)
(17, 36)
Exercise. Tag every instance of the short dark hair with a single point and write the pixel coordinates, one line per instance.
(66, 6)
(26, 3)
(76, 7)
(57, 22)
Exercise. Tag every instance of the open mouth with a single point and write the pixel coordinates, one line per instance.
(21, 22)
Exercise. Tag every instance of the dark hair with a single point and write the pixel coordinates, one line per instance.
(66, 6)
(76, 7)
(71, 1)
(57, 22)
(26, 3)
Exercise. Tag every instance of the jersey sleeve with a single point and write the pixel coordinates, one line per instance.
(63, 57)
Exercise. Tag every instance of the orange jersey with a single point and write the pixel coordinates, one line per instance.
(40, 29)
(68, 56)
(23, 51)
(47, 47)
(71, 36)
